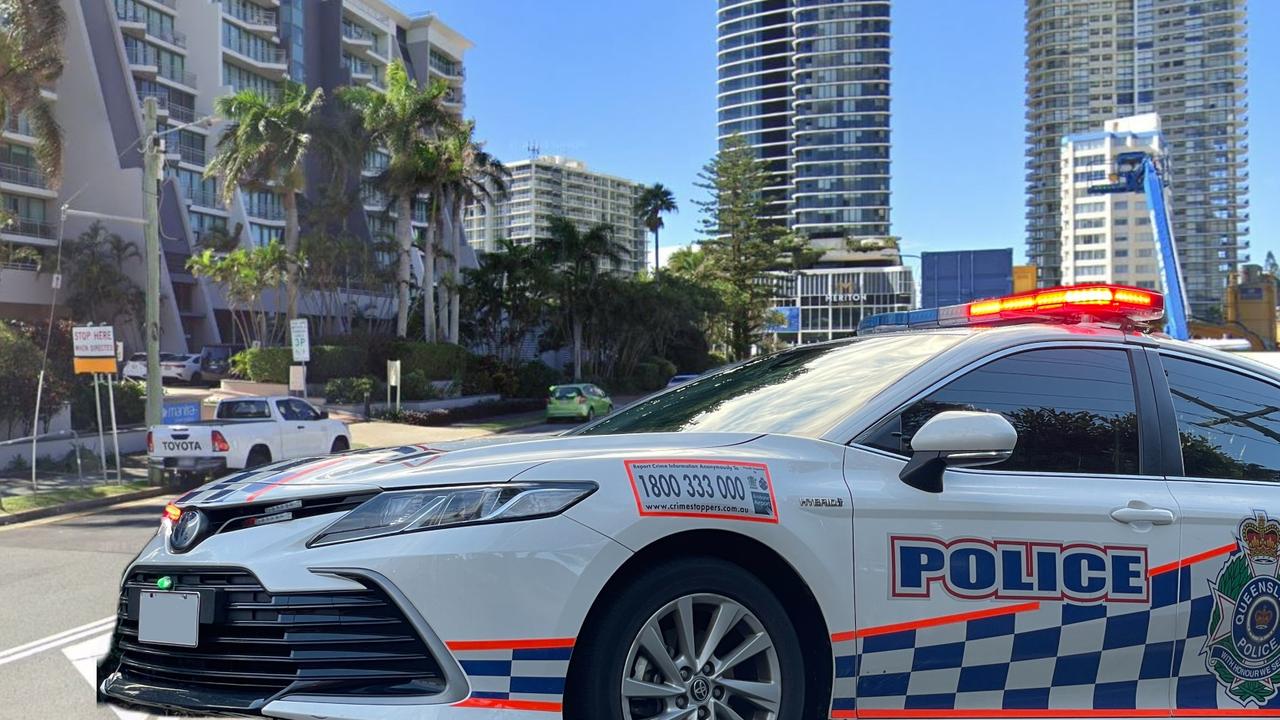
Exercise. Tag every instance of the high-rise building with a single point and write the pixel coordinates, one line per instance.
(1089, 61)
(1107, 238)
(186, 54)
(552, 186)
(806, 84)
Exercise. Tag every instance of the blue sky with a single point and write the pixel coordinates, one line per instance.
(629, 87)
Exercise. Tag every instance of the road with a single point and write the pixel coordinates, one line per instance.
(58, 594)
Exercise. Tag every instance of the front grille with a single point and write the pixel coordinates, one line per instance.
(254, 644)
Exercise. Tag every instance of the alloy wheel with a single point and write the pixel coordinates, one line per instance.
(702, 657)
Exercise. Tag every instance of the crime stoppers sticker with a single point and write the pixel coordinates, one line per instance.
(723, 490)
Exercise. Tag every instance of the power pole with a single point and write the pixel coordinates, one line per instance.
(152, 165)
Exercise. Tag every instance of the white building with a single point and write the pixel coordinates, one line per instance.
(551, 186)
(1107, 238)
(186, 54)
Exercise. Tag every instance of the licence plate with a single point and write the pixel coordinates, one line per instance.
(169, 618)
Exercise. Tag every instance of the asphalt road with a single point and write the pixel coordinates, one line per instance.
(58, 596)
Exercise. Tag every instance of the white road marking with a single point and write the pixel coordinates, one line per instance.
(84, 658)
(36, 647)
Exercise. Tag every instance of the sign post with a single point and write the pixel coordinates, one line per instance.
(300, 339)
(393, 379)
(95, 351)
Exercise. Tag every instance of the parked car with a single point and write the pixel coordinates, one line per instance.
(582, 401)
(247, 433)
(135, 368)
(215, 361)
(183, 368)
(680, 379)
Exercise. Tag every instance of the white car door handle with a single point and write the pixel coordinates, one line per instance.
(1155, 516)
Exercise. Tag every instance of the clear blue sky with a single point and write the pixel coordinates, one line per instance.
(629, 87)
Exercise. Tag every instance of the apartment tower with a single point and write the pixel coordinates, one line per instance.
(1089, 61)
(1108, 238)
(806, 83)
(552, 186)
(185, 54)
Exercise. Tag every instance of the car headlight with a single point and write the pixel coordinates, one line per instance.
(401, 511)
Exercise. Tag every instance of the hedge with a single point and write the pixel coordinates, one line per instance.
(439, 361)
(449, 416)
(271, 365)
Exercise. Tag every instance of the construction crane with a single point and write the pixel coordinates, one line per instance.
(1137, 172)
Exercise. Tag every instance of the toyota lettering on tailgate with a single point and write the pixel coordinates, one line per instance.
(180, 445)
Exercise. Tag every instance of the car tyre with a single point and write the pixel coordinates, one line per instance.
(258, 457)
(340, 444)
(618, 652)
(196, 378)
(591, 414)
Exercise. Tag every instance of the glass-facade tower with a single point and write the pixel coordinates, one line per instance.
(806, 83)
(1089, 61)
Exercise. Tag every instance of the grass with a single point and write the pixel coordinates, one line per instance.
(22, 503)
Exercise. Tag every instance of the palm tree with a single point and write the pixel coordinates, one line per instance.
(31, 38)
(577, 257)
(472, 176)
(653, 202)
(404, 120)
(263, 148)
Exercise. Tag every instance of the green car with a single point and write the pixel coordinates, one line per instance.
(582, 401)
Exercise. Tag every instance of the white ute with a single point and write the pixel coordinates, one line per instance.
(247, 433)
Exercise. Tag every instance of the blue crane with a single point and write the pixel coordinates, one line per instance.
(1137, 172)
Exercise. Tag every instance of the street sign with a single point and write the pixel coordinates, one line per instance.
(94, 348)
(301, 338)
(178, 413)
(297, 378)
(393, 372)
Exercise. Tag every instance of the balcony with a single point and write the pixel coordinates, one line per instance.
(204, 197)
(251, 14)
(17, 124)
(27, 227)
(257, 53)
(271, 211)
(192, 154)
(22, 175)
(142, 56)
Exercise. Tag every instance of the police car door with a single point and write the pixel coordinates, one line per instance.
(1039, 583)
(1227, 485)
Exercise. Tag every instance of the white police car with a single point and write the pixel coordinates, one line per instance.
(1030, 509)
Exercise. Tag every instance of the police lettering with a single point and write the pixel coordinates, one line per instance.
(977, 569)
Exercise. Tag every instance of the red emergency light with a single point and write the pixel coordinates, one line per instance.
(1103, 302)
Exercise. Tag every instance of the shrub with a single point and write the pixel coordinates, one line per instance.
(649, 376)
(417, 386)
(438, 361)
(350, 390)
(266, 365)
(271, 364)
(484, 375)
(131, 405)
(329, 362)
(534, 378)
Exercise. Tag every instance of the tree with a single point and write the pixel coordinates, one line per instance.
(247, 274)
(740, 244)
(576, 257)
(506, 298)
(31, 39)
(471, 176)
(404, 120)
(263, 148)
(99, 288)
(655, 201)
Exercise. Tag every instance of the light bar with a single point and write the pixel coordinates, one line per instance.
(1061, 304)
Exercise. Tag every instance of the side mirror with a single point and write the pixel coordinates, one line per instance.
(324, 414)
(956, 438)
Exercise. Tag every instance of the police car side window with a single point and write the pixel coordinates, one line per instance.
(1073, 408)
(1228, 423)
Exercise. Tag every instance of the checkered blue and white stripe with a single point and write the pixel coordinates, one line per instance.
(1059, 656)
(521, 674)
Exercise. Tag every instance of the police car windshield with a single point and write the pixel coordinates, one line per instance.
(802, 391)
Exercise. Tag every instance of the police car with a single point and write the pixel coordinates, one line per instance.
(1020, 507)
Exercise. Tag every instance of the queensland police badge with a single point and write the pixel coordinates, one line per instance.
(1243, 646)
